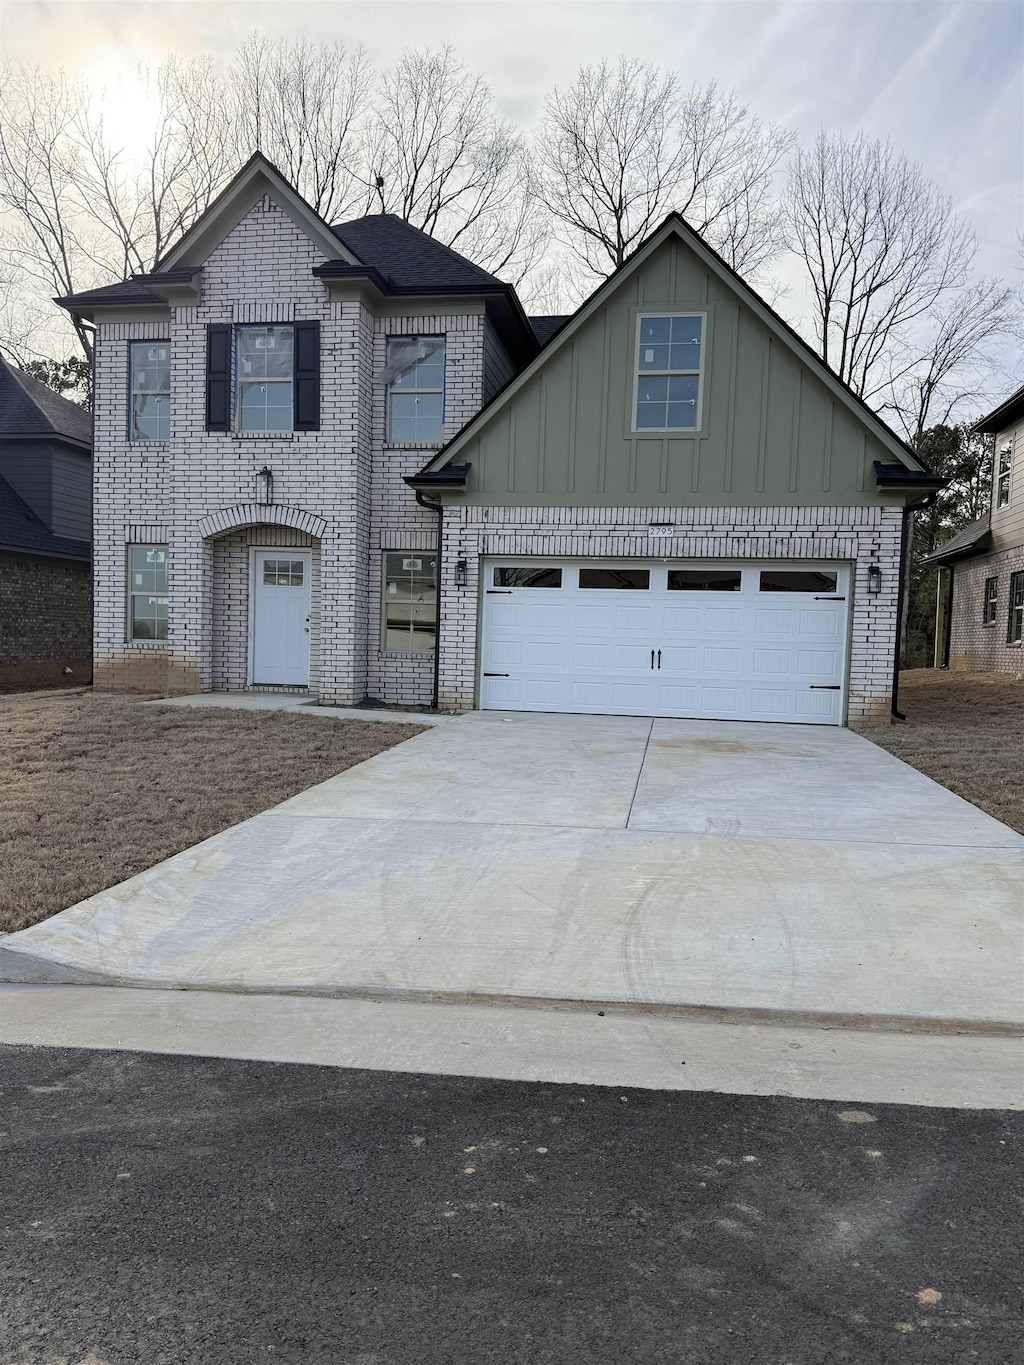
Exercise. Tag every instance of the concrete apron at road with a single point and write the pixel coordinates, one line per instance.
(750, 871)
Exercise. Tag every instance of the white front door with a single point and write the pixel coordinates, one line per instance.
(280, 618)
(711, 640)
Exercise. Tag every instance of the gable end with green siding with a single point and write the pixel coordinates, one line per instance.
(767, 424)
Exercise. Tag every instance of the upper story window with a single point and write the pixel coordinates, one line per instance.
(415, 380)
(1004, 473)
(668, 370)
(150, 383)
(264, 373)
(263, 379)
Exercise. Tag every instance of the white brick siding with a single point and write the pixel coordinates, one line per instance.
(197, 488)
(861, 535)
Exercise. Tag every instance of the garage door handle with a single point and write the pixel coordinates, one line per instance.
(830, 599)
(659, 658)
(652, 658)
(825, 687)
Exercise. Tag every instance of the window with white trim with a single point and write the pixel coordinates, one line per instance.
(264, 378)
(415, 380)
(149, 364)
(1004, 475)
(147, 592)
(410, 601)
(989, 600)
(668, 371)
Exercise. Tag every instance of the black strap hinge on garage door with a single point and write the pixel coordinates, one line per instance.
(817, 687)
(830, 599)
(496, 675)
(503, 592)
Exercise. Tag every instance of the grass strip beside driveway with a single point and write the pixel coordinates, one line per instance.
(95, 788)
(965, 731)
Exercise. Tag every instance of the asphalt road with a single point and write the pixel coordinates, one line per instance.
(157, 1210)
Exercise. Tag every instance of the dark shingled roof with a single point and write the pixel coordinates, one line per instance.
(544, 328)
(407, 257)
(21, 530)
(29, 408)
(127, 291)
(1005, 415)
(972, 540)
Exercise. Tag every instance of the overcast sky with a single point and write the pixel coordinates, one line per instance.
(943, 78)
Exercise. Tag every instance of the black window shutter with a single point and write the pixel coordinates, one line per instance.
(307, 376)
(218, 376)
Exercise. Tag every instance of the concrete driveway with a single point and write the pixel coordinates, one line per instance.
(757, 870)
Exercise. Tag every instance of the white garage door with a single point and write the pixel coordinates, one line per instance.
(718, 641)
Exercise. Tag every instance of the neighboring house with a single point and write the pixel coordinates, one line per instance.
(343, 460)
(981, 591)
(45, 534)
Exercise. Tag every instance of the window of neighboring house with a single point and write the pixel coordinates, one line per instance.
(1016, 620)
(415, 380)
(264, 375)
(147, 592)
(988, 604)
(410, 602)
(150, 367)
(1004, 474)
(668, 372)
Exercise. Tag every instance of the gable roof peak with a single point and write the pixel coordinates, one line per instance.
(675, 223)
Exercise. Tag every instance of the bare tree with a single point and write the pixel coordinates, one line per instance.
(81, 211)
(880, 247)
(440, 157)
(140, 205)
(303, 105)
(621, 147)
(39, 163)
(946, 368)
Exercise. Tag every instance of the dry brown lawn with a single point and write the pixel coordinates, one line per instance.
(965, 730)
(95, 788)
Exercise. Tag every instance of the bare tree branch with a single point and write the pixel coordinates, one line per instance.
(303, 105)
(621, 147)
(440, 157)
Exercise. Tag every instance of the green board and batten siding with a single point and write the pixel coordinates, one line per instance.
(772, 433)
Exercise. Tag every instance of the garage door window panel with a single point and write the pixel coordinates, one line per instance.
(615, 578)
(798, 580)
(704, 580)
(515, 576)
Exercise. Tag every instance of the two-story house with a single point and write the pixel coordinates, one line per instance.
(343, 460)
(45, 534)
(981, 590)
